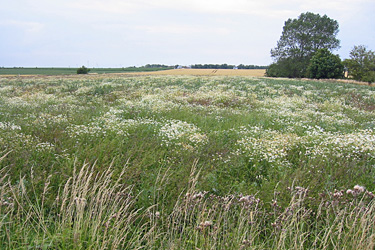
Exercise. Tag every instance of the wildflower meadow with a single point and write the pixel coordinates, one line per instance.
(186, 162)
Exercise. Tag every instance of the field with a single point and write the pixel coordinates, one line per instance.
(196, 161)
(211, 72)
(132, 71)
(71, 71)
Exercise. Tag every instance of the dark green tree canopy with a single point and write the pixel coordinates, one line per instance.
(361, 65)
(83, 70)
(301, 38)
(324, 64)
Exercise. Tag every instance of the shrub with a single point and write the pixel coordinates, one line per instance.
(324, 64)
(83, 70)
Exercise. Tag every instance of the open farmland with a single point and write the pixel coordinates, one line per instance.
(27, 72)
(21, 71)
(186, 162)
(210, 72)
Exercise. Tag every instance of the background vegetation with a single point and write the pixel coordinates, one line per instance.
(226, 66)
(300, 39)
(361, 64)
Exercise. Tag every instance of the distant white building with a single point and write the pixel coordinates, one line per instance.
(183, 67)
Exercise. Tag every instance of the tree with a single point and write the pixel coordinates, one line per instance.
(300, 39)
(361, 65)
(324, 64)
(83, 70)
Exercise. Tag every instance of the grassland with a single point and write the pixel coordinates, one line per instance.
(185, 162)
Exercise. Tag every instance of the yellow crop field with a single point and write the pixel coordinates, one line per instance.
(176, 72)
(207, 72)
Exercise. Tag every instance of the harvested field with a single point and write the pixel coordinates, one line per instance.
(192, 72)
(207, 72)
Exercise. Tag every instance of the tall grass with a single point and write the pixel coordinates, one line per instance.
(96, 211)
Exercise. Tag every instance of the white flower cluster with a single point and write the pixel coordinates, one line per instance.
(272, 146)
(44, 146)
(109, 124)
(45, 119)
(182, 134)
(265, 144)
(9, 125)
(351, 145)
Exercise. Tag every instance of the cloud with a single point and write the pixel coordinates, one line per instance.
(109, 6)
(27, 27)
(119, 31)
(183, 29)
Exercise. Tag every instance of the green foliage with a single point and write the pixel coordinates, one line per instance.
(83, 70)
(361, 65)
(226, 66)
(286, 67)
(326, 65)
(300, 39)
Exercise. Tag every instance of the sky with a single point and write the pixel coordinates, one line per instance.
(122, 33)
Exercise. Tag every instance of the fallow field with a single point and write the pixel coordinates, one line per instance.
(186, 162)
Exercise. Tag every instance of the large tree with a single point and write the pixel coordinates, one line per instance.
(300, 39)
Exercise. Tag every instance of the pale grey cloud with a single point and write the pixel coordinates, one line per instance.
(137, 32)
(30, 28)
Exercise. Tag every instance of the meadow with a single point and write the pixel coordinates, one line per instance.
(186, 162)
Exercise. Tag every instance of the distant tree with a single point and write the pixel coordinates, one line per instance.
(300, 39)
(83, 70)
(361, 65)
(156, 66)
(324, 64)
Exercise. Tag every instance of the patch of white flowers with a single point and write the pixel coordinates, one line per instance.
(350, 146)
(9, 126)
(272, 146)
(182, 134)
(110, 123)
(265, 144)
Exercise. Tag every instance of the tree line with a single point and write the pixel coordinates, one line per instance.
(226, 66)
(305, 50)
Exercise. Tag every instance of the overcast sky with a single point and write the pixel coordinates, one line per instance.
(121, 33)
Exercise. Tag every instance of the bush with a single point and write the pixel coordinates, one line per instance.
(83, 70)
(287, 67)
(324, 64)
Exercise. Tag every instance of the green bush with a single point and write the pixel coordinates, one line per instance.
(83, 70)
(287, 67)
(326, 65)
